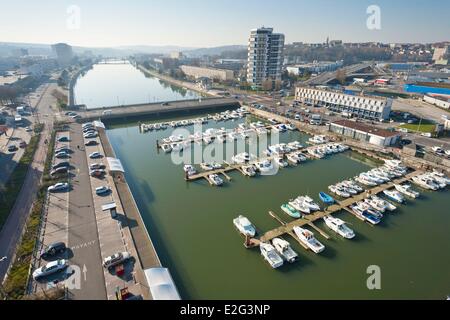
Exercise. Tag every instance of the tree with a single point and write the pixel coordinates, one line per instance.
(267, 85)
(341, 76)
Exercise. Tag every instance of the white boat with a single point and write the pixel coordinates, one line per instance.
(270, 255)
(216, 165)
(294, 145)
(208, 140)
(319, 139)
(291, 127)
(284, 249)
(249, 170)
(189, 170)
(241, 158)
(394, 195)
(441, 183)
(244, 226)
(307, 238)
(376, 204)
(176, 146)
(293, 158)
(388, 205)
(166, 148)
(264, 166)
(281, 162)
(300, 206)
(339, 226)
(215, 179)
(309, 202)
(363, 179)
(339, 191)
(425, 183)
(440, 176)
(407, 190)
(206, 166)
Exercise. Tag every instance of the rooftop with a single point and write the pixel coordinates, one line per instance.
(365, 128)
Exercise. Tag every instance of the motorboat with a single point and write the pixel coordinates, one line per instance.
(424, 182)
(301, 157)
(388, 205)
(241, 158)
(407, 190)
(281, 162)
(208, 140)
(339, 191)
(293, 158)
(284, 250)
(300, 206)
(394, 195)
(166, 148)
(294, 145)
(270, 255)
(439, 176)
(440, 182)
(215, 165)
(249, 170)
(215, 179)
(309, 202)
(316, 153)
(365, 206)
(206, 166)
(319, 139)
(291, 127)
(176, 146)
(264, 166)
(307, 238)
(244, 226)
(375, 204)
(291, 211)
(339, 226)
(189, 169)
(365, 215)
(327, 199)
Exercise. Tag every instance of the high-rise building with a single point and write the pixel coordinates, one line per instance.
(63, 53)
(265, 57)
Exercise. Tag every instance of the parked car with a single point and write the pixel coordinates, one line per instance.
(49, 269)
(87, 124)
(90, 135)
(63, 149)
(53, 249)
(22, 144)
(95, 155)
(95, 166)
(88, 129)
(63, 139)
(116, 259)
(28, 129)
(91, 143)
(102, 190)
(61, 165)
(61, 170)
(60, 186)
(97, 172)
(12, 148)
(62, 155)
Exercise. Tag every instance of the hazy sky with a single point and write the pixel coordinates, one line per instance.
(219, 22)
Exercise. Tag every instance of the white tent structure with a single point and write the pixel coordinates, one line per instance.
(115, 165)
(161, 284)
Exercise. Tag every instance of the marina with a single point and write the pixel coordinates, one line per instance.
(181, 214)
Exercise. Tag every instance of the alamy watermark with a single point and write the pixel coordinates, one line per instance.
(73, 21)
(374, 280)
(373, 21)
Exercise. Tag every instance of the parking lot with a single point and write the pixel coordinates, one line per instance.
(75, 217)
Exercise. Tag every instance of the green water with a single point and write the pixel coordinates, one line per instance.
(191, 226)
(122, 84)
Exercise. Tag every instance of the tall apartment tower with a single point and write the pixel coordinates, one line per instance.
(63, 53)
(265, 57)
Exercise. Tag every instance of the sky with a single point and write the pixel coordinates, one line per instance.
(209, 23)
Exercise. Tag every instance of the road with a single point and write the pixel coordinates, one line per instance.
(83, 234)
(12, 229)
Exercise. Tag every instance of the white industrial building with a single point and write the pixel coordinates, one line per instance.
(376, 108)
(211, 73)
(365, 133)
(315, 67)
(438, 101)
(265, 57)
